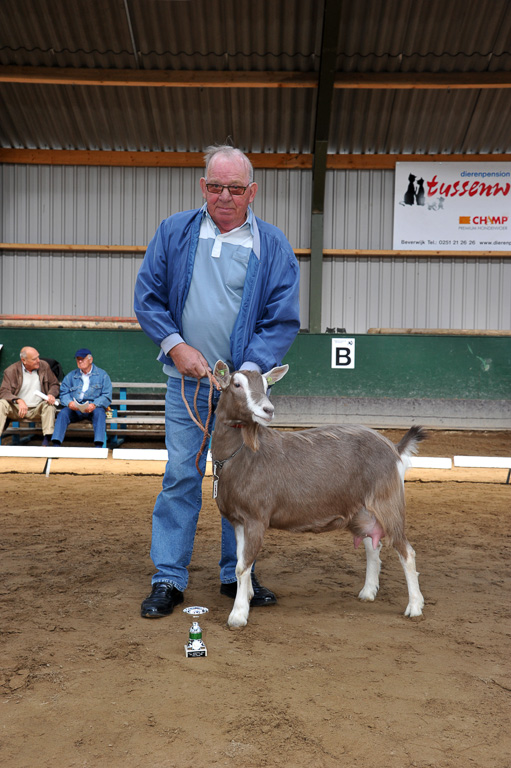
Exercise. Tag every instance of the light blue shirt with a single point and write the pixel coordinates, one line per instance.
(268, 320)
(86, 380)
(216, 288)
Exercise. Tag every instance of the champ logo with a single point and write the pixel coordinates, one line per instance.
(480, 220)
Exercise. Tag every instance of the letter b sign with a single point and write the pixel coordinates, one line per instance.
(343, 353)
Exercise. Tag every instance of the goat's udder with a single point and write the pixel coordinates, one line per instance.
(376, 535)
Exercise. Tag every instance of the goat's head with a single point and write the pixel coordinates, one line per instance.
(246, 392)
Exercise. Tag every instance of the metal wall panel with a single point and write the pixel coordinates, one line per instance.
(123, 206)
(92, 205)
(67, 284)
(110, 206)
(455, 294)
(359, 209)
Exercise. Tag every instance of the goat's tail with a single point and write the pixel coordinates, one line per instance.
(409, 443)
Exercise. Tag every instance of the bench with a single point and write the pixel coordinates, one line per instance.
(137, 408)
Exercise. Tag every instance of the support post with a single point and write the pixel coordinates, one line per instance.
(316, 273)
(327, 67)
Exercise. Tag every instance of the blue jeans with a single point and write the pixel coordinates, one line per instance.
(177, 507)
(67, 416)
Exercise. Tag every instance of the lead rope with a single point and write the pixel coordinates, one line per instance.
(203, 427)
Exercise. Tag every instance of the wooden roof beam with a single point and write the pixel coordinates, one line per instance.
(422, 80)
(373, 253)
(157, 78)
(271, 160)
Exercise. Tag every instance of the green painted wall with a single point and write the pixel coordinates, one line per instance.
(127, 355)
(457, 367)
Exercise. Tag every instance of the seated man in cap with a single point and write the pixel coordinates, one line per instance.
(86, 393)
(28, 391)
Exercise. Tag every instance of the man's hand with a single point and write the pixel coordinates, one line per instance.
(51, 400)
(91, 407)
(72, 406)
(189, 361)
(22, 408)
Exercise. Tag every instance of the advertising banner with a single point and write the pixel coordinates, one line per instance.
(452, 207)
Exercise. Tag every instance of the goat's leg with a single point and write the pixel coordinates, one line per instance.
(415, 598)
(238, 617)
(247, 547)
(373, 567)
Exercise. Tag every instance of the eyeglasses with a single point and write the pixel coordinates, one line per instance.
(234, 189)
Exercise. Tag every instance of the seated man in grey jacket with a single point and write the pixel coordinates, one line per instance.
(21, 389)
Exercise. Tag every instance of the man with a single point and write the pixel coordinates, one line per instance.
(215, 283)
(86, 393)
(18, 392)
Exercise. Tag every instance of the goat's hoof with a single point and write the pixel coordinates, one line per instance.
(237, 622)
(368, 594)
(414, 611)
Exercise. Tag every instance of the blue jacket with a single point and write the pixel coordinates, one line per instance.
(99, 391)
(268, 320)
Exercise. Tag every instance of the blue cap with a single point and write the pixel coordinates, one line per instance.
(83, 352)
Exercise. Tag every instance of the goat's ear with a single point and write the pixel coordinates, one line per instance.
(221, 373)
(276, 374)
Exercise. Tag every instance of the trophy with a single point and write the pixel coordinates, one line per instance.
(195, 646)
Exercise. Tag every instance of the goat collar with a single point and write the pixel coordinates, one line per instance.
(218, 465)
(239, 425)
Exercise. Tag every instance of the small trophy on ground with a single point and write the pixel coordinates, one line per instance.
(195, 645)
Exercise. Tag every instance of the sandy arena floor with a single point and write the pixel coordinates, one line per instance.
(320, 680)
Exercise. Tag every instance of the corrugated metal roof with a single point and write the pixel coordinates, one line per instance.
(181, 119)
(168, 34)
(461, 36)
(421, 122)
(423, 35)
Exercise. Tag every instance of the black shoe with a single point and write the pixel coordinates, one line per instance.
(161, 601)
(262, 596)
(98, 445)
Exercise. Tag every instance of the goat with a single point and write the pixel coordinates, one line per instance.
(316, 480)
